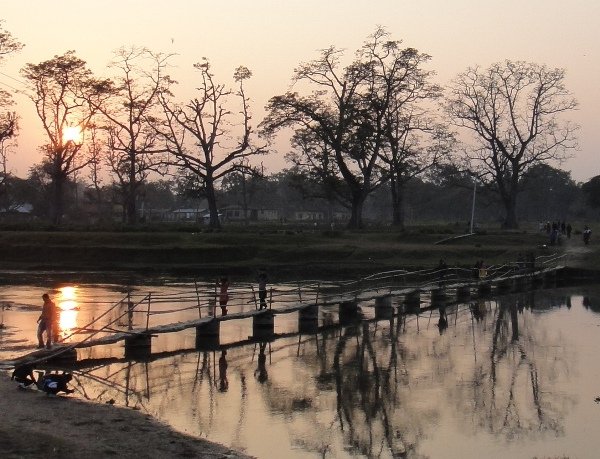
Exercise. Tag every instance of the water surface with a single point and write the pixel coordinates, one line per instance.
(516, 376)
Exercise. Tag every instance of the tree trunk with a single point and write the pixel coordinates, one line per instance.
(211, 197)
(397, 190)
(358, 201)
(510, 204)
(57, 205)
(130, 207)
(244, 199)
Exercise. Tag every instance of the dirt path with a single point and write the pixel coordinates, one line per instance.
(34, 425)
(579, 255)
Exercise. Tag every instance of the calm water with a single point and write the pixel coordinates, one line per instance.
(513, 377)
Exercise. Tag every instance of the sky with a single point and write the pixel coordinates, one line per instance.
(272, 37)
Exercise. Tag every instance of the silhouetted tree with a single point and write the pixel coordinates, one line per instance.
(132, 112)
(513, 110)
(591, 188)
(8, 118)
(335, 118)
(61, 88)
(201, 135)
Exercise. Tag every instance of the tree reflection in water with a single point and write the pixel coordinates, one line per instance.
(511, 391)
(374, 389)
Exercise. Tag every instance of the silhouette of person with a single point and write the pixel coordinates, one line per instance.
(442, 268)
(587, 233)
(53, 383)
(223, 285)
(223, 381)
(261, 371)
(47, 321)
(262, 288)
(24, 376)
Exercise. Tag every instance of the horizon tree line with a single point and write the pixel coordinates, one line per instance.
(355, 125)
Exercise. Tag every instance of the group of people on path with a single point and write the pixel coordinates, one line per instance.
(556, 230)
(49, 382)
(223, 284)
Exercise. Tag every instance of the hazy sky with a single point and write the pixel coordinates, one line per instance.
(272, 37)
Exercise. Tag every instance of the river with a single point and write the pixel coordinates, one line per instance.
(514, 376)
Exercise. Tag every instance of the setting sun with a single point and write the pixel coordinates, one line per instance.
(72, 133)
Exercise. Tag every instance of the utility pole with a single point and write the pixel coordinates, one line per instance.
(473, 206)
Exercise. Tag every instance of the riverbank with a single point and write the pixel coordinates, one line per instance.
(35, 425)
(288, 253)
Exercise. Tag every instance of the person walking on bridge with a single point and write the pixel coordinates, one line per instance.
(46, 322)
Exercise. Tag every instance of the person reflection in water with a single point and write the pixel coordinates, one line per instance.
(223, 381)
(261, 371)
(223, 285)
(443, 320)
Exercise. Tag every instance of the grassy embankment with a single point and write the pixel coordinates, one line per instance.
(285, 253)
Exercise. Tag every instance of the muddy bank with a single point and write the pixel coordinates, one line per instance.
(35, 425)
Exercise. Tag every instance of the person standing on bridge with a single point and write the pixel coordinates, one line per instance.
(223, 285)
(262, 288)
(47, 321)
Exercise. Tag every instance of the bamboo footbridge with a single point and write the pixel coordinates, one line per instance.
(131, 319)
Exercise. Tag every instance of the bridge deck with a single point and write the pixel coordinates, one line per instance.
(364, 296)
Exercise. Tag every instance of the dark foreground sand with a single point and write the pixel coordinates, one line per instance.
(33, 425)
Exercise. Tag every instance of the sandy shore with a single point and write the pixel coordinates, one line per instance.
(34, 425)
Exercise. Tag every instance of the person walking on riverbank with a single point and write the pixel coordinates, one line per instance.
(587, 234)
(46, 322)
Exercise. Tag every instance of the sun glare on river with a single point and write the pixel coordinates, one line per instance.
(68, 309)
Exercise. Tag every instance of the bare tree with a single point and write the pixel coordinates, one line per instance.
(8, 130)
(8, 118)
(333, 116)
(8, 43)
(513, 110)
(60, 89)
(401, 101)
(343, 126)
(132, 114)
(96, 156)
(205, 137)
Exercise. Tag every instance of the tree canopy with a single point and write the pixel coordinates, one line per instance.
(514, 113)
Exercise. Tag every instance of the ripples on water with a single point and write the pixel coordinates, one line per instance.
(513, 377)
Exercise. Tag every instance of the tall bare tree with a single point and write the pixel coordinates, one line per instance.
(343, 125)
(132, 114)
(60, 88)
(207, 138)
(401, 98)
(332, 115)
(513, 110)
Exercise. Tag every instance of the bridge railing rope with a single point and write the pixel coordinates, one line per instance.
(204, 299)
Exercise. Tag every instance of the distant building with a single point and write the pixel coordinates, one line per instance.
(20, 213)
(186, 215)
(341, 216)
(309, 216)
(236, 213)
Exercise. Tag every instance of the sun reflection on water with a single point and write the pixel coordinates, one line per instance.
(68, 309)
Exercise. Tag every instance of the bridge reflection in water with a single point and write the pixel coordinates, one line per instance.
(457, 381)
